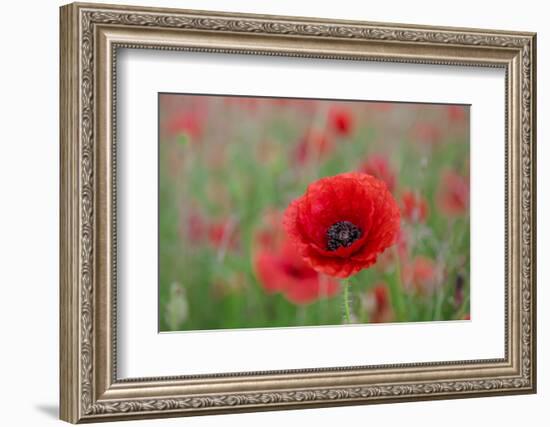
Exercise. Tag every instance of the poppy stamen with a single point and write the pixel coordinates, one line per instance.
(342, 233)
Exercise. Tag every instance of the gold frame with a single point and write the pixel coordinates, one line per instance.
(90, 36)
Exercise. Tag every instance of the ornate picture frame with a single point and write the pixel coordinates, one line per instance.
(90, 37)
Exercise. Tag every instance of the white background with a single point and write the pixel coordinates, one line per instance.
(143, 352)
(29, 171)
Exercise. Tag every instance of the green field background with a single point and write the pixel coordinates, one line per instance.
(226, 161)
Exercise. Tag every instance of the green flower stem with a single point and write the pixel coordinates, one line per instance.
(396, 290)
(464, 309)
(345, 296)
(439, 299)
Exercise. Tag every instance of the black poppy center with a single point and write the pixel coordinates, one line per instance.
(342, 233)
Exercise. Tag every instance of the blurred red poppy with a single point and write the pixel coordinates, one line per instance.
(382, 107)
(312, 146)
(281, 269)
(456, 113)
(198, 228)
(420, 275)
(222, 233)
(427, 133)
(340, 120)
(342, 223)
(378, 304)
(189, 123)
(413, 207)
(192, 227)
(453, 195)
(379, 167)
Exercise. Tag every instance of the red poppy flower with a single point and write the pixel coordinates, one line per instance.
(453, 196)
(379, 167)
(313, 145)
(378, 304)
(456, 113)
(192, 227)
(340, 120)
(286, 272)
(420, 275)
(190, 123)
(342, 223)
(382, 107)
(223, 233)
(414, 207)
(281, 269)
(427, 133)
(381, 294)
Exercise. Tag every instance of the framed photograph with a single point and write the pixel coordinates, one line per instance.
(266, 212)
